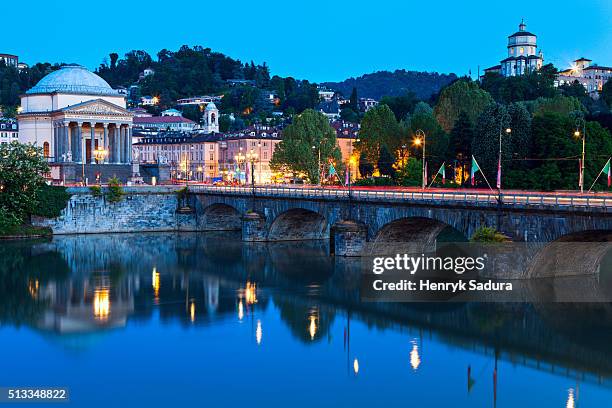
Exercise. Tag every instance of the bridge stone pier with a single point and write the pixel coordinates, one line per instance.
(386, 223)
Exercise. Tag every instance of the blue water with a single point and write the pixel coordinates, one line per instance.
(162, 320)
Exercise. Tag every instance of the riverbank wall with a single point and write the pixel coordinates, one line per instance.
(141, 209)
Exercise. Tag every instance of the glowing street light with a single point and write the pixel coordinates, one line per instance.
(418, 140)
(581, 122)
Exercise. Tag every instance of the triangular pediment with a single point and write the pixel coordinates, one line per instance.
(96, 107)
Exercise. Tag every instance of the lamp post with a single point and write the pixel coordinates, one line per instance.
(100, 154)
(582, 135)
(252, 158)
(259, 145)
(502, 119)
(418, 140)
(239, 158)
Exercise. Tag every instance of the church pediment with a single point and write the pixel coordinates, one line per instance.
(96, 107)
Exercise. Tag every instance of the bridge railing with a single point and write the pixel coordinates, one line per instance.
(456, 197)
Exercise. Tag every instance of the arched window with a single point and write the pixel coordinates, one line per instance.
(212, 118)
(46, 149)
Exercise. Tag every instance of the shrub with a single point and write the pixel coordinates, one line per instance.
(51, 200)
(96, 191)
(489, 234)
(115, 191)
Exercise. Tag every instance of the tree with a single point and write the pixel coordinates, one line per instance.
(21, 177)
(436, 139)
(410, 173)
(606, 93)
(400, 105)
(462, 96)
(460, 143)
(366, 169)
(386, 162)
(378, 128)
(349, 115)
(485, 145)
(354, 100)
(563, 105)
(295, 152)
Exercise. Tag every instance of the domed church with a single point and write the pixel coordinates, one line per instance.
(76, 117)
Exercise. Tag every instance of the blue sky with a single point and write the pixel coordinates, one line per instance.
(314, 39)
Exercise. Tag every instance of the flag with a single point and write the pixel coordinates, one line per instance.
(346, 177)
(580, 175)
(475, 168)
(332, 169)
(442, 171)
(606, 170)
(499, 173)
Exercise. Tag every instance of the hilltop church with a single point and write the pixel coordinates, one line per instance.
(523, 55)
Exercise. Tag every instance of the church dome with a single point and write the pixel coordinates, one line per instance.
(73, 79)
(211, 106)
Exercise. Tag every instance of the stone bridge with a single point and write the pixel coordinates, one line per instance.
(366, 222)
(377, 223)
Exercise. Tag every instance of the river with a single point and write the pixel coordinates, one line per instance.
(188, 319)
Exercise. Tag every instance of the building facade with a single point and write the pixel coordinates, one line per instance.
(10, 60)
(9, 131)
(71, 113)
(591, 76)
(523, 55)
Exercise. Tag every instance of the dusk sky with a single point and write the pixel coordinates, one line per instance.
(316, 40)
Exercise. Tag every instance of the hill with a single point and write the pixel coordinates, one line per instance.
(386, 83)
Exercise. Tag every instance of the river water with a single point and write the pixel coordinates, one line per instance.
(203, 319)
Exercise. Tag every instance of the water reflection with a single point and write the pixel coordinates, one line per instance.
(72, 286)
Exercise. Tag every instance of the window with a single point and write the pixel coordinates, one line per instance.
(212, 156)
(46, 149)
(265, 155)
(522, 50)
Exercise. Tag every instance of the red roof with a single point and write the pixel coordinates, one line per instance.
(161, 119)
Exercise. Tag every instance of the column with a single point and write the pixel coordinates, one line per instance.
(79, 143)
(92, 148)
(117, 145)
(106, 143)
(55, 142)
(128, 142)
(69, 142)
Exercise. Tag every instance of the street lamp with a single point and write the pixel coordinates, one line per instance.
(582, 135)
(239, 158)
(418, 140)
(100, 154)
(259, 145)
(252, 158)
(504, 118)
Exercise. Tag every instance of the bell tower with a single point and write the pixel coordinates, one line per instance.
(211, 118)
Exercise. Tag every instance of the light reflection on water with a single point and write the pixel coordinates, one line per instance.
(178, 319)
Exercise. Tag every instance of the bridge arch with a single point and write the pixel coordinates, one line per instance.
(220, 217)
(412, 235)
(574, 254)
(298, 224)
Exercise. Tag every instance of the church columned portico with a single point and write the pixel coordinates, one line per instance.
(81, 119)
(77, 142)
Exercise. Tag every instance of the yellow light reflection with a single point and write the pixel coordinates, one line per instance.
(240, 310)
(258, 332)
(101, 304)
(570, 399)
(250, 293)
(356, 366)
(192, 311)
(33, 288)
(312, 328)
(155, 283)
(415, 359)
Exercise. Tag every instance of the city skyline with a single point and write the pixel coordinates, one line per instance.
(327, 42)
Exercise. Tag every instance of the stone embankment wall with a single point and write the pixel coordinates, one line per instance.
(141, 209)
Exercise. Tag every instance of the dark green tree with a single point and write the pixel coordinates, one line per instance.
(460, 144)
(462, 96)
(378, 128)
(295, 153)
